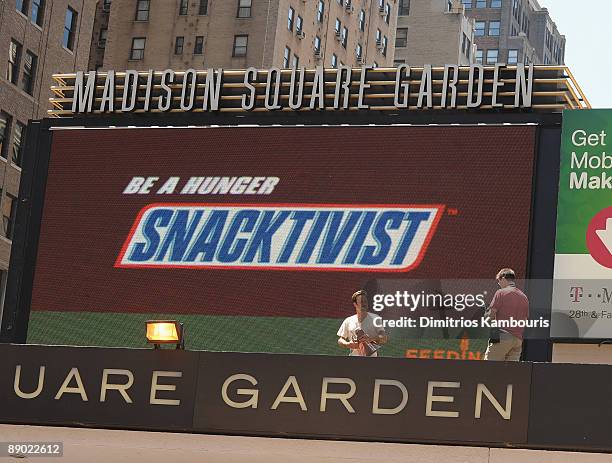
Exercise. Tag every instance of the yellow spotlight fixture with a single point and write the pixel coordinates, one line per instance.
(165, 332)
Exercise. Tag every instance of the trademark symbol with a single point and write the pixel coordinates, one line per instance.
(452, 212)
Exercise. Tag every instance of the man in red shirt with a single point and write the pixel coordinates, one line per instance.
(509, 303)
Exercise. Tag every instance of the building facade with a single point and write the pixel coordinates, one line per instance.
(433, 32)
(237, 34)
(37, 39)
(98, 37)
(515, 31)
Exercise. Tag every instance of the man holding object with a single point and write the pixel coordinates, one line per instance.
(358, 332)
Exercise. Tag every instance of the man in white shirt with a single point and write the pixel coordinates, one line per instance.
(362, 323)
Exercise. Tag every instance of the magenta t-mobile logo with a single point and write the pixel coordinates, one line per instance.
(576, 293)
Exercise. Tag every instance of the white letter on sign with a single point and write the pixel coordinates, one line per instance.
(254, 393)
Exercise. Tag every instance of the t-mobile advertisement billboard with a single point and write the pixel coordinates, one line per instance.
(582, 293)
(256, 237)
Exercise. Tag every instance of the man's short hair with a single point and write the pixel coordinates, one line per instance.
(361, 292)
(506, 273)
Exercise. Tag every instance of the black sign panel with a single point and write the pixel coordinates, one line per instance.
(381, 399)
(363, 398)
(571, 406)
(125, 388)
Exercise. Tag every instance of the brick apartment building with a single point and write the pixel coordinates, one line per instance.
(515, 31)
(37, 38)
(236, 34)
(483, 31)
(433, 32)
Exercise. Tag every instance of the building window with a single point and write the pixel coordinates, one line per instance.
(5, 130)
(286, 57)
(401, 37)
(106, 5)
(3, 283)
(387, 13)
(492, 56)
(478, 56)
(240, 45)
(295, 62)
(479, 28)
(334, 60)
(317, 44)
(494, 28)
(467, 4)
(496, 3)
(14, 60)
(183, 7)
(18, 142)
(29, 72)
(138, 48)
(385, 43)
(38, 12)
(404, 8)
(203, 8)
(344, 37)
(397, 62)
(465, 45)
(70, 23)
(244, 9)
(299, 24)
(320, 11)
(22, 6)
(179, 43)
(512, 56)
(481, 3)
(198, 48)
(8, 215)
(142, 10)
(337, 27)
(378, 37)
(358, 51)
(290, 17)
(362, 20)
(102, 37)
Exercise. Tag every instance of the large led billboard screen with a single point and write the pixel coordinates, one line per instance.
(256, 237)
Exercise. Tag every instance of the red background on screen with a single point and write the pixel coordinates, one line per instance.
(483, 172)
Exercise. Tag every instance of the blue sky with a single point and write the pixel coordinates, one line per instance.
(587, 26)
